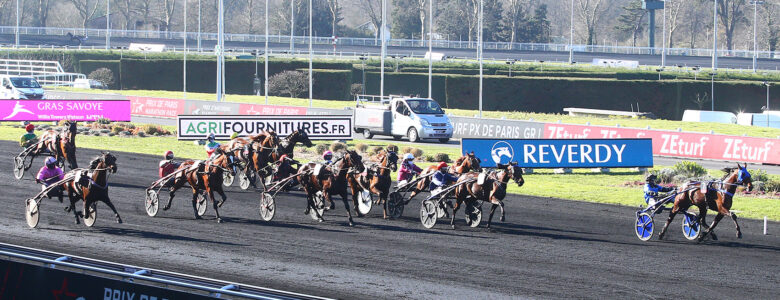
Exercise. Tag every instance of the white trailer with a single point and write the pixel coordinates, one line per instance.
(397, 116)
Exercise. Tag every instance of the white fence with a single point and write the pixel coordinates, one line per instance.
(48, 73)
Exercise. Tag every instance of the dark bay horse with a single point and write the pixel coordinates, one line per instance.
(718, 197)
(262, 147)
(61, 145)
(377, 180)
(463, 164)
(492, 190)
(204, 176)
(332, 180)
(286, 146)
(93, 187)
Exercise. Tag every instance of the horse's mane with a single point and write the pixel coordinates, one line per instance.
(460, 160)
(95, 161)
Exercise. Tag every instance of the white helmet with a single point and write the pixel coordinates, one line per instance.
(409, 156)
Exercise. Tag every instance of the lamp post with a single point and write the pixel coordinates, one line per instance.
(755, 42)
(16, 29)
(184, 70)
(199, 48)
(714, 35)
(766, 83)
(510, 62)
(292, 26)
(108, 24)
(480, 56)
(571, 34)
(363, 72)
(220, 49)
(659, 70)
(430, 49)
(383, 50)
(712, 90)
(663, 43)
(311, 56)
(265, 82)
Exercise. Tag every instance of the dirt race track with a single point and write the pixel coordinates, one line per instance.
(547, 248)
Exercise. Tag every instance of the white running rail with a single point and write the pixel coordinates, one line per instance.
(49, 73)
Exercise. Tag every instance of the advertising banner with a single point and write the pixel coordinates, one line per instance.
(259, 109)
(157, 107)
(464, 127)
(562, 153)
(200, 107)
(56, 110)
(191, 127)
(680, 144)
(25, 281)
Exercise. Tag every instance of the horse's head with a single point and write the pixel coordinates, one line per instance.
(354, 160)
(743, 177)
(391, 159)
(300, 136)
(473, 162)
(104, 160)
(513, 172)
(68, 149)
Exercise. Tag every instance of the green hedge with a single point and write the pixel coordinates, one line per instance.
(331, 84)
(87, 66)
(408, 84)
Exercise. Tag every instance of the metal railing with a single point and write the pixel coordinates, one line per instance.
(48, 73)
(347, 41)
(129, 272)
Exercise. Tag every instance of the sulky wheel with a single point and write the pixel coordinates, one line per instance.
(428, 213)
(395, 205)
(152, 202)
(18, 167)
(267, 207)
(227, 179)
(364, 202)
(91, 216)
(31, 213)
(690, 226)
(644, 226)
(319, 206)
(243, 181)
(202, 204)
(473, 215)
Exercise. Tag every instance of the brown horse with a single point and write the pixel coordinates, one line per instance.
(61, 145)
(92, 187)
(332, 180)
(204, 176)
(262, 147)
(493, 189)
(718, 197)
(377, 180)
(287, 145)
(463, 164)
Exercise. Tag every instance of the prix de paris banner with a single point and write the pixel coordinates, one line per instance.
(57, 110)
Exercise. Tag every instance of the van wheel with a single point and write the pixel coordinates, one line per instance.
(412, 134)
(367, 134)
(444, 140)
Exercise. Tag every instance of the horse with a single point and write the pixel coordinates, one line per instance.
(331, 180)
(204, 176)
(61, 145)
(94, 187)
(262, 146)
(717, 197)
(462, 165)
(287, 145)
(493, 189)
(377, 180)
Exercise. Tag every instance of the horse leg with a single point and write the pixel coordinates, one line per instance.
(383, 198)
(195, 203)
(501, 205)
(107, 201)
(492, 210)
(221, 194)
(346, 206)
(72, 207)
(672, 213)
(455, 208)
(703, 221)
(739, 231)
(712, 227)
(214, 203)
(177, 184)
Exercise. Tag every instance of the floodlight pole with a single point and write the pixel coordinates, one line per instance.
(220, 49)
(430, 49)
(571, 34)
(663, 43)
(16, 29)
(108, 24)
(481, 6)
(265, 82)
(311, 57)
(199, 10)
(714, 36)
(184, 76)
(292, 26)
(383, 50)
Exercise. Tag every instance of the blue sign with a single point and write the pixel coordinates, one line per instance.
(562, 153)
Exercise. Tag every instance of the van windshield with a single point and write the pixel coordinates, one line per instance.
(425, 107)
(21, 82)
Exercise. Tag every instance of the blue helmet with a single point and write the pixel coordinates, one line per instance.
(51, 161)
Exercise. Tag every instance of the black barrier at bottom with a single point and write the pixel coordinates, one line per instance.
(25, 281)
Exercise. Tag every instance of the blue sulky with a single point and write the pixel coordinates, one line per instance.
(644, 226)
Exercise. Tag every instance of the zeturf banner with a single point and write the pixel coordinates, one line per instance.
(26, 281)
(317, 127)
(681, 144)
(56, 110)
(546, 153)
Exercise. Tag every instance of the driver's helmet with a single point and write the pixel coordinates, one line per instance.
(29, 127)
(234, 135)
(327, 155)
(210, 137)
(442, 166)
(51, 162)
(651, 178)
(409, 156)
(283, 158)
(169, 155)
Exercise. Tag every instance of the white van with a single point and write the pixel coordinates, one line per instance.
(398, 116)
(20, 87)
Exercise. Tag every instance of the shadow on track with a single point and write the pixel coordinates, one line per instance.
(126, 232)
(278, 224)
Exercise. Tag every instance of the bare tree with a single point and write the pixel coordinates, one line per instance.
(42, 12)
(770, 19)
(86, 9)
(675, 8)
(731, 14)
(373, 8)
(422, 6)
(335, 13)
(515, 16)
(125, 7)
(169, 10)
(590, 14)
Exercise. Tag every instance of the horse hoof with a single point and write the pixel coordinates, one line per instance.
(453, 227)
(503, 219)
(166, 208)
(197, 217)
(119, 220)
(739, 235)
(67, 208)
(77, 222)
(320, 220)
(219, 205)
(714, 237)
(219, 220)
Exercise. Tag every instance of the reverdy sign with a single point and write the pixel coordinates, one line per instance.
(318, 127)
(541, 153)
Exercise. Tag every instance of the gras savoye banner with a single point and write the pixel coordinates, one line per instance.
(56, 110)
(562, 153)
(195, 127)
